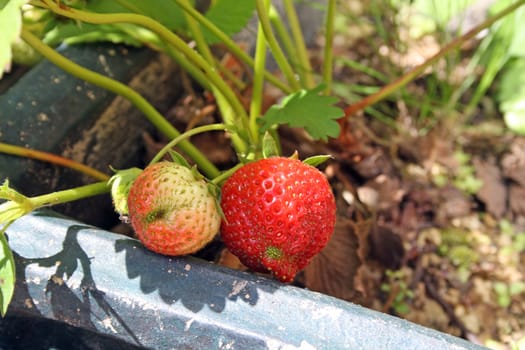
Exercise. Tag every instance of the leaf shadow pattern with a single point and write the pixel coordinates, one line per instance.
(66, 305)
(48, 334)
(190, 280)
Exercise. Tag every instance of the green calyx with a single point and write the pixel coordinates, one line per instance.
(120, 185)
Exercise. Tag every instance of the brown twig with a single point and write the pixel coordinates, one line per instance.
(52, 158)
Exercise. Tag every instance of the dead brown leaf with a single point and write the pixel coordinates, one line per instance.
(513, 163)
(517, 199)
(333, 270)
(438, 149)
(453, 203)
(419, 205)
(226, 258)
(493, 192)
(386, 247)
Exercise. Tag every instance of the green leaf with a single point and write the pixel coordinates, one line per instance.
(494, 52)
(516, 288)
(439, 11)
(316, 160)
(514, 115)
(518, 34)
(10, 211)
(502, 292)
(269, 146)
(72, 32)
(511, 95)
(230, 16)
(10, 25)
(215, 191)
(309, 110)
(178, 158)
(8, 193)
(167, 13)
(120, 184)
(17, 205)
(7, 273)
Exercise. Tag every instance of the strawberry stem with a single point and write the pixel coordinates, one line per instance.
(328, 52)
(280, 58)
(20, 206)
(69, 195)
(164, 33)
(226, 174)
(186, 135)
(228, 113)
(258, 83)
(305, 69)
(52, 158)
(187, 67)
(230, 44)
(284, 36)
(121, 89)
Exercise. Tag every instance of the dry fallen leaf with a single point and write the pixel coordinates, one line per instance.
(451, 203)
(229, 260)
(333, 270)
(493, 192)
(386, 247)
(513, 163)
(517, 199)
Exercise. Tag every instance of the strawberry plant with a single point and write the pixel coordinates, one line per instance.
(173, 209)
(277, 212)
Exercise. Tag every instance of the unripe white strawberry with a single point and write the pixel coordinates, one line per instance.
(172, 210)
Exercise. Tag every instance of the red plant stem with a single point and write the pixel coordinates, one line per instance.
(415, 72)
(52, 158)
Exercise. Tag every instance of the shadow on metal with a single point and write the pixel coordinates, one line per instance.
(94, 282)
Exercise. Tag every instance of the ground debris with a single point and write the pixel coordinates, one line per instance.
(493, 193)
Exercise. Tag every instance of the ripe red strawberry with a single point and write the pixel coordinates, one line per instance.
(171, 210)
(279, 213)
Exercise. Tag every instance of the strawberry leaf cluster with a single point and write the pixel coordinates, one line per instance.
(306, 109)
